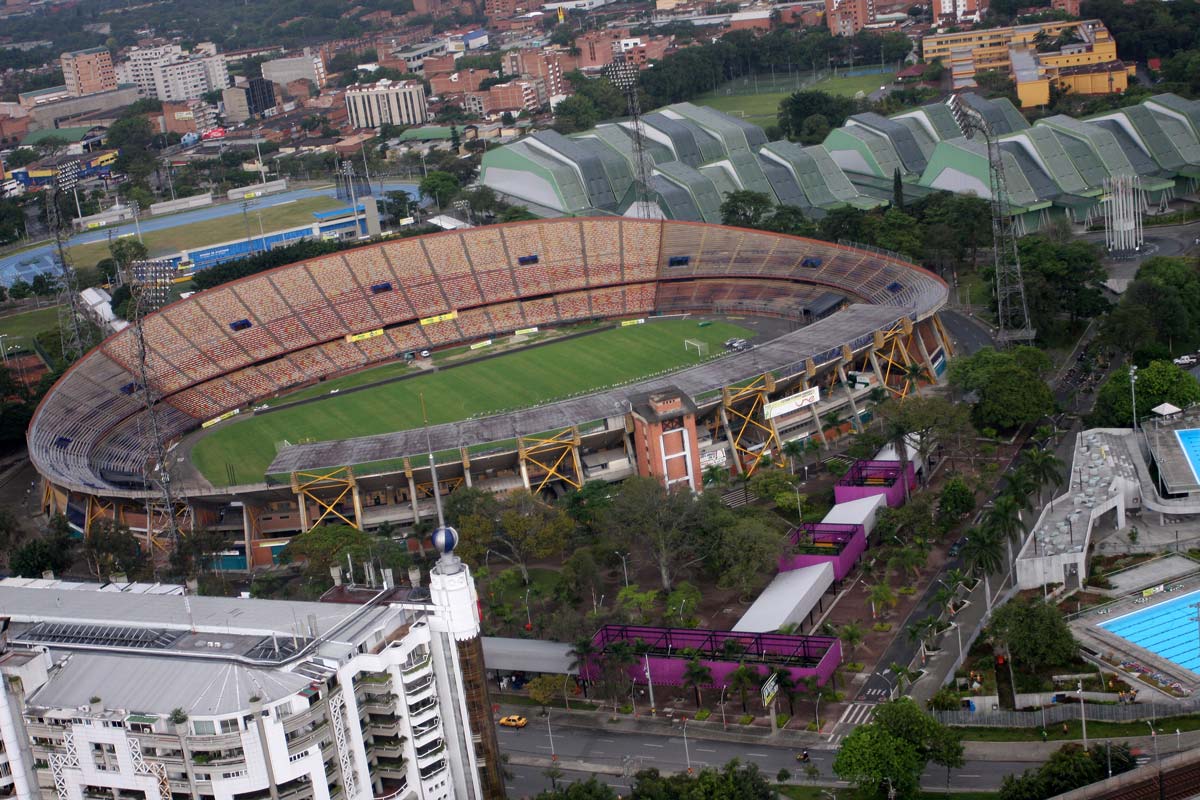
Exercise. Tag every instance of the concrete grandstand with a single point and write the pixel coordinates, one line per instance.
(1057, 166)
(224, 350)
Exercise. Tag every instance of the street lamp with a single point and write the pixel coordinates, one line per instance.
(1083, 714)
(1133, 393)
(550, 733)
(686, 753)
(624, 568)
(724, 727)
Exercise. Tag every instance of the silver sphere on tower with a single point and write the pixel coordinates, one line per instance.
(445, 539)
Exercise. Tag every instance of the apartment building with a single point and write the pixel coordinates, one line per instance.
(88, 71)
(548, 64)
(167, 72)
(1079, 56)
(370, 105)
(848, 17)
(307, 66)
(122, 694)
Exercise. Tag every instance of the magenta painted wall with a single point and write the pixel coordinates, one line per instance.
(843, 562)
(894, 494)
(669, 671)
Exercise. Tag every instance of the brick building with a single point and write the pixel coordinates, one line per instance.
(88, 71)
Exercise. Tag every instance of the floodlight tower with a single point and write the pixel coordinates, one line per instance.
(146, 286)
(1012, 310)
(623, 73)
(74, 335)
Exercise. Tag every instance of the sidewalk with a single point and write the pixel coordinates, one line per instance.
(1033, 752)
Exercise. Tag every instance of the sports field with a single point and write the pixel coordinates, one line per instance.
(758, 101)
(26, 325)
(214, 231)
(515, 380)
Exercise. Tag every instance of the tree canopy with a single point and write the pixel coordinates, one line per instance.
(1160, 382)
(1008, 387)
(1035, 634)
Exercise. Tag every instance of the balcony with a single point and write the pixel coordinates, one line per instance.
(433, 769)
(395, 768)
(383, 725)
(422, 706)
(430, 750)
(418, 685)
(382, 703)
(426, 729)
(414, 666)
(388, 746)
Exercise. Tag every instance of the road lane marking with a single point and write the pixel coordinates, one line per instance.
(704, 750)
(610, 741)
(758, 755)
(960, 775)
(654, 745)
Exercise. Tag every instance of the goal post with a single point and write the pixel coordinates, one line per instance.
(699, 346)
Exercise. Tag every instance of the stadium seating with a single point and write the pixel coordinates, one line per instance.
(235, 344)
(409, 261)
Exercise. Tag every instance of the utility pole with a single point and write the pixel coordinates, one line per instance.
(1133, 393)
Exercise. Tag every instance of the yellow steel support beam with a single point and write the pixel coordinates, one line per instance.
(327, 489)
(556, 455)
(747, 426)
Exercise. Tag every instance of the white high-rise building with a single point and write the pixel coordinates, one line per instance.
(167, 72)
(116, 693)
(370, 105)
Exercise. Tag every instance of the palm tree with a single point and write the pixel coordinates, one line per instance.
(912, 374)
(984, 554)
(793, 449)
(553, 773)
(1020, 486)
(955, 578)
(903, 674)
(907, 558)
(924, 629)
(833, 422)
(1045, 468)
(696, 674)
(851, 635)
(1004, 518)
(897, 433)
(583, 653)
(618, 658)
(880, 595)
(715, 475)
(741, 680)
(788, 688)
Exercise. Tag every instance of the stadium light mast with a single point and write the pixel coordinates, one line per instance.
(623, 74)
(1012, 310)
(75, 338)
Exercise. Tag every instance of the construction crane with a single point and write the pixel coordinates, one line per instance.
(1012, 311)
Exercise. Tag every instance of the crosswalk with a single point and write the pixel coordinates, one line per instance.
(855, 714)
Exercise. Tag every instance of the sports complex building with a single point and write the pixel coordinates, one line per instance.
(852, 322)
(1057, 166)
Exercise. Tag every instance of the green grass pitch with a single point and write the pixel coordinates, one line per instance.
(515, 380)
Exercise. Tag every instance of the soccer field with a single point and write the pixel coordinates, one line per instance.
(28, 324)
(214, 231)
(758, 101)
(515, 380)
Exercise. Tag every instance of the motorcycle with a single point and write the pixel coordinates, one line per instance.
(802, 757)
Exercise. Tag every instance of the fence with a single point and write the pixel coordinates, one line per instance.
(1063, 712)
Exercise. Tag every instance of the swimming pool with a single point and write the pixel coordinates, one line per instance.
(1189, 441)
(1166, 630)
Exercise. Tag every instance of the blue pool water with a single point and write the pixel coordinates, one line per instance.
(1165, 629)
(1189, 440)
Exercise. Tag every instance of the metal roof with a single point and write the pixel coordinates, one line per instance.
(787, 599)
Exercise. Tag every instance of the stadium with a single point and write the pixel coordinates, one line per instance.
(1055, 168)
(840, 326)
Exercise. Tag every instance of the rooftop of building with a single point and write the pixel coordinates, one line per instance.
(86, 52)
(68, 135)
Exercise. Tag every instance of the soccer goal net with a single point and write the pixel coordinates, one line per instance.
(700, 347)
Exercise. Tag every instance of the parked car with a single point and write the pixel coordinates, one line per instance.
(514, 721)
(957, 547)
(1185, 361)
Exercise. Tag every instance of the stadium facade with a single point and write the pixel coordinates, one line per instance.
(1056, 166)
(136, 690)
(858, 320)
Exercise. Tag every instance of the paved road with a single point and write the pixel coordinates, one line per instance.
(39, 259)
(590, 750)
(969, 335)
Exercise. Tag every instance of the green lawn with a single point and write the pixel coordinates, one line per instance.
(1096, 729)
(854, 84)
(761, 109)
(25, 326)
(516, 380)
(214, 231)
(760, 104)
(802, 792)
